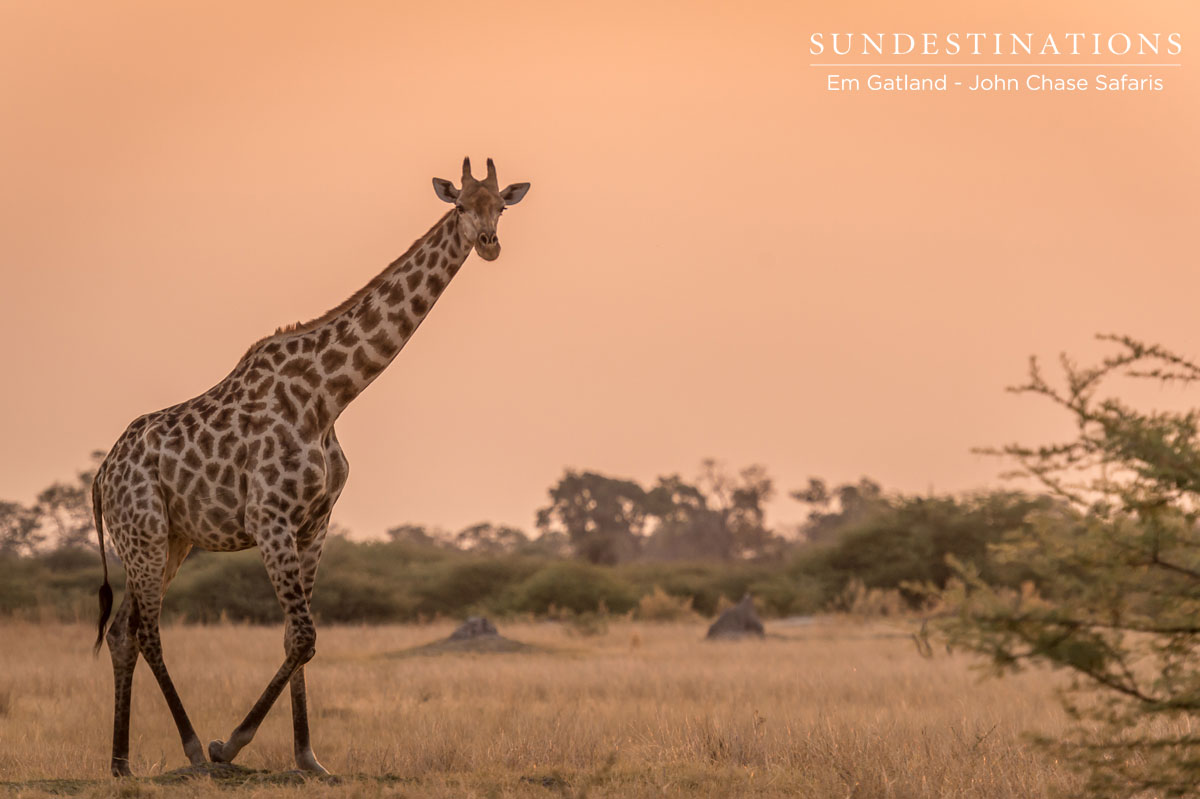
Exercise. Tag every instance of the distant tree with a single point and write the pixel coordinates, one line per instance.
(721, 516)
(740, 504)
(491, 539)
(417, 535)
(67, 507)
(611, 520)
(911, 538)
(837, 509)
(549, 544)
(746, 515)
(685, 526)
(603, 517)
(1114, 598)
(19, 533)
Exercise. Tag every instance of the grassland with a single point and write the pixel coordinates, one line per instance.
(831, 709)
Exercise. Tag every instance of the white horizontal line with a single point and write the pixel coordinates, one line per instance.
(972, 66)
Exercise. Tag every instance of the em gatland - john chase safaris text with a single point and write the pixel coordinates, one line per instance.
(1033, 62)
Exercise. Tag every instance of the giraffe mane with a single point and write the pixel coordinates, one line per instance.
(346, 304)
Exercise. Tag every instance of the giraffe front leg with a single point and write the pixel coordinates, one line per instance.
(305, 759)
(303, 746)
(300, 640)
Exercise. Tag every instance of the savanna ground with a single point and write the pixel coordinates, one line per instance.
(835, 708)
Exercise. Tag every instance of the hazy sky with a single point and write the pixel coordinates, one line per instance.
(718, 257)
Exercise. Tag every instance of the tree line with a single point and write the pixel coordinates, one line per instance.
(608, 520)
(597, 518)
(602, 543)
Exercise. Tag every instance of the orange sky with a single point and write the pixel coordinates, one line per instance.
(717, 258)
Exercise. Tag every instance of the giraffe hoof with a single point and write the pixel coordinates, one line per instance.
(195, 752)
(120, 768)
(307, 762)
(216, 751)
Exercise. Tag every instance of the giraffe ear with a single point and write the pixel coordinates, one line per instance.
(445, 190)
(512, 194)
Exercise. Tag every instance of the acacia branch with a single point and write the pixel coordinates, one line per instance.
(1156, 560)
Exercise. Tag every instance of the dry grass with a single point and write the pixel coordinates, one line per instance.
(833, 709)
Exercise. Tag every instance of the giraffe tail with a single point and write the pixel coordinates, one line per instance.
(106, 594)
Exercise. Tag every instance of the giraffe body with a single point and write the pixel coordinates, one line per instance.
(255, 462)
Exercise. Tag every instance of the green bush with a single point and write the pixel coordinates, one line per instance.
(577, 587)
(234, 586)
(472, 585)
(780, 595)
(703, 583)
(351, 597)
(658, 605)
(18, 588)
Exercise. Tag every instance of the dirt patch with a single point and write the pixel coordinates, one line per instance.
(234, 776)
(475, 635)
(223, 775)
(495, 645)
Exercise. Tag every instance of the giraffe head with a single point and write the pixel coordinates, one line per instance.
(479, 204)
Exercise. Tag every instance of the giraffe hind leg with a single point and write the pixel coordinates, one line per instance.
(145, 582)
(122, 646)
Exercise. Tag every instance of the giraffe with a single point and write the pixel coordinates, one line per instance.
(254, 462)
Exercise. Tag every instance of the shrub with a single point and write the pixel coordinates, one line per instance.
(578, 587)
(344, 596)
(858, 600)
(783, 595)
(705, 583)
(473, 584)
(658, 605)
(17, 588)
(234, 586)
(586, 625)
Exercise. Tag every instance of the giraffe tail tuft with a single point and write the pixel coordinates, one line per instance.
(106, 594)
(106, 603)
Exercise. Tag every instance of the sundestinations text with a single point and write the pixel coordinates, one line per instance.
(995, 44)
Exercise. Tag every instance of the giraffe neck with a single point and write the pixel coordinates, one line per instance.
(333, 358)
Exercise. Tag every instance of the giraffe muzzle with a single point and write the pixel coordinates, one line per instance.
(487, 245)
